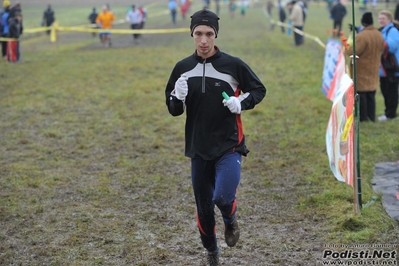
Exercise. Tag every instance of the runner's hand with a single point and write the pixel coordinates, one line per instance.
(233, 104)
(181, 88)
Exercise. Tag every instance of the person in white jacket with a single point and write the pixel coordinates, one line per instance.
(135, 18)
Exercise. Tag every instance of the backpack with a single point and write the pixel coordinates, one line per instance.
(389, 61)
(304, 10)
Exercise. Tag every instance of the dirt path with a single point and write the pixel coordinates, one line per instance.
(145, 222)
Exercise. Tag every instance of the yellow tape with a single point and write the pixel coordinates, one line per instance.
(91, 28)
(53, 33)
(56, 28)
(7, 39)
(35, 30)
(121, 31)
(279, 23)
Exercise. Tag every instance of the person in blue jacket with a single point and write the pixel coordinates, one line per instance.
(214, 137)
(4, 27)
(173, 10)
(389, 83)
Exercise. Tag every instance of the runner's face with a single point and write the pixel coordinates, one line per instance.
(204, 38)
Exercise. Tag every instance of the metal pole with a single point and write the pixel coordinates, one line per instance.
(357, 182)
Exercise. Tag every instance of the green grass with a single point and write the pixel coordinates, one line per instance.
(92, 167)
(70, 15)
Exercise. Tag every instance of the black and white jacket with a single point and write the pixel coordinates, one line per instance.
(211, 129)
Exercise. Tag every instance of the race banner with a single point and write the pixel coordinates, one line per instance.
(340, 132)
(334, 68)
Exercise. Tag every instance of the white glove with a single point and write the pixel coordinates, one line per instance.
(233, 104)
(181, 88)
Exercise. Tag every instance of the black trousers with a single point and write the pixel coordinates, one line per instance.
(3, 49)
(367, 106)
(389, 90)
(337, 25)
(298, 37)
(215, 183)
(282, 27)
(135, 27)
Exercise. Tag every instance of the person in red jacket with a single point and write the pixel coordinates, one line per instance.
(16, 30)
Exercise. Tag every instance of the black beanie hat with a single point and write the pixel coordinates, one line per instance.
(204, 17)
(367, 19)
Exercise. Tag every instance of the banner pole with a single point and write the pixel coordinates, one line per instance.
(356, 169)
(357, 182)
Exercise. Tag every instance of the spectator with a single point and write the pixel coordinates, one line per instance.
(184, 6)
(297, 18)
(330, 4)
(15, 31)
(144, 14)
(217, 3)
(6, 3)
(374, 4)
(269, 8)
(4, 28)
(338, 12)
(243, 7)
(214, 138)
(135, 18)
(369, 47)
(48, 18)
(105, 20)
(14, 9)
(363, 5)
(281, 14)
(396, 17)
(389, 81)
(92, 19)
(232, 8)
(173, 10)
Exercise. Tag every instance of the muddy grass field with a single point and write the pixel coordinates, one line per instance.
(92, 168)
